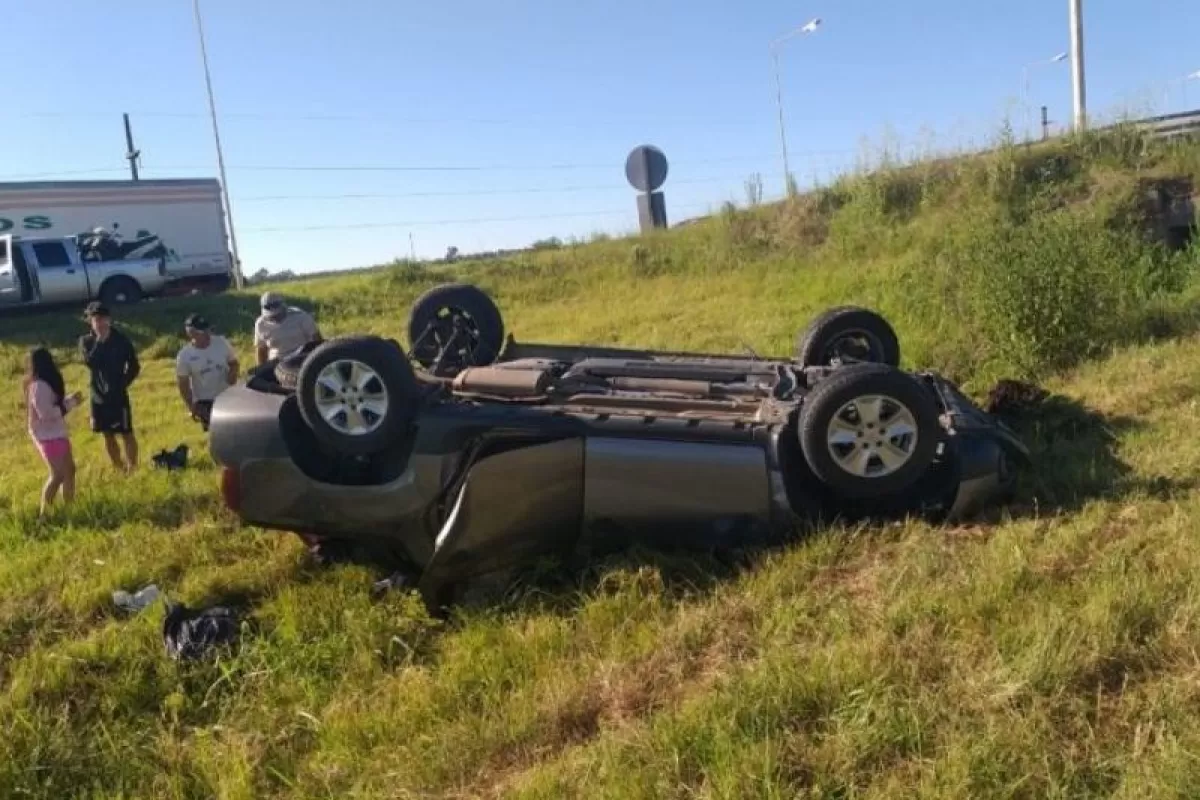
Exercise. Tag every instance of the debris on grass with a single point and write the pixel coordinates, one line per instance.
(190, 634)
(1010, 397)
(171, 460)
(137, 601)
(398, 581)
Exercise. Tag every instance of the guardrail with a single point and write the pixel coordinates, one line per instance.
(1172, 126)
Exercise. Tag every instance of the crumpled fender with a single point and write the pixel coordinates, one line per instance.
(963, 418)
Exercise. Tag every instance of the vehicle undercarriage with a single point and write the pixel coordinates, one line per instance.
(491, 453)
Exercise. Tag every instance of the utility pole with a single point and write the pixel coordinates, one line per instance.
(412, 249)
(239, 281)
(1045, 124)
(1079, 95)
(131, 154)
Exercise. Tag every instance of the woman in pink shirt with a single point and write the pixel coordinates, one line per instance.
(47, 403)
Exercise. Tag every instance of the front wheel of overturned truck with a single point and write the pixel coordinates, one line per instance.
(357, 395)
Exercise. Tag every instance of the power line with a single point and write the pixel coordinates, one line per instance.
(27, 175)
(402, 195)
(610, 165)
(475, 192)
(450, 119)
(489, 167)
(424, 223)
(459, 221)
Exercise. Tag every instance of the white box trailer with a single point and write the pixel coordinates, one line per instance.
(185, 215)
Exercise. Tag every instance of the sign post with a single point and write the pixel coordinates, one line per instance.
(646, 171)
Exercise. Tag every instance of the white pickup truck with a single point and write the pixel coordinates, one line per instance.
(184, 218)
(56, 271)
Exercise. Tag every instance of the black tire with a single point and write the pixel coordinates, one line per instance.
(455, 310)
(120, 291)
(851, 333)
(390, 371)
(831, 396)
(287, 368)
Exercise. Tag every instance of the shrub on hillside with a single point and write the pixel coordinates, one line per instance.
(403, 274)
(1060, 288)
(751, 231)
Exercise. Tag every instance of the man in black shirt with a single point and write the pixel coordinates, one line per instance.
(110, 357)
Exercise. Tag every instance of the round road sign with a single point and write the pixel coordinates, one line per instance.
(646, 168)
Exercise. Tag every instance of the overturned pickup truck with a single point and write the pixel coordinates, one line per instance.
(471, 453)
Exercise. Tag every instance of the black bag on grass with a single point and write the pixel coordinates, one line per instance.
(190, 634)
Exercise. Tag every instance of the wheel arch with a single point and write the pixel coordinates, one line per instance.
(115, 278)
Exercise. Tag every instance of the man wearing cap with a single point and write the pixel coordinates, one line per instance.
(113, 363)
(281, 328)
(205, 367)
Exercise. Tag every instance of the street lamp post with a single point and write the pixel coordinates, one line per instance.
(1183, 82)
(807, 27)
(1078, 92)
(212, 109)
(1025, 85)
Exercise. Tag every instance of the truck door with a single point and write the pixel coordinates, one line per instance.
(62, 279)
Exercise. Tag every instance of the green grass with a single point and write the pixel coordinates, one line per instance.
(1049, 652)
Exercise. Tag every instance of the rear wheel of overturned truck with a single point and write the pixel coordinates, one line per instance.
(847, 335)
(454, 326)
(358, 395)
(869, 431)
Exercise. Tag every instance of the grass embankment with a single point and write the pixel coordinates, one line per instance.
(1049, 654)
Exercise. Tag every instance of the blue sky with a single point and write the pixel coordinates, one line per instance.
(542, 99)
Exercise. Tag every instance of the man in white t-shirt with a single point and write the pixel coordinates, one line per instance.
(206, 366)
(281, 328)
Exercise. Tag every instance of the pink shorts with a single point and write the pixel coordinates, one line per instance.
(54, 448)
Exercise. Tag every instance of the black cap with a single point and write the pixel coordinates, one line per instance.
(96, 309)
(196, 322)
